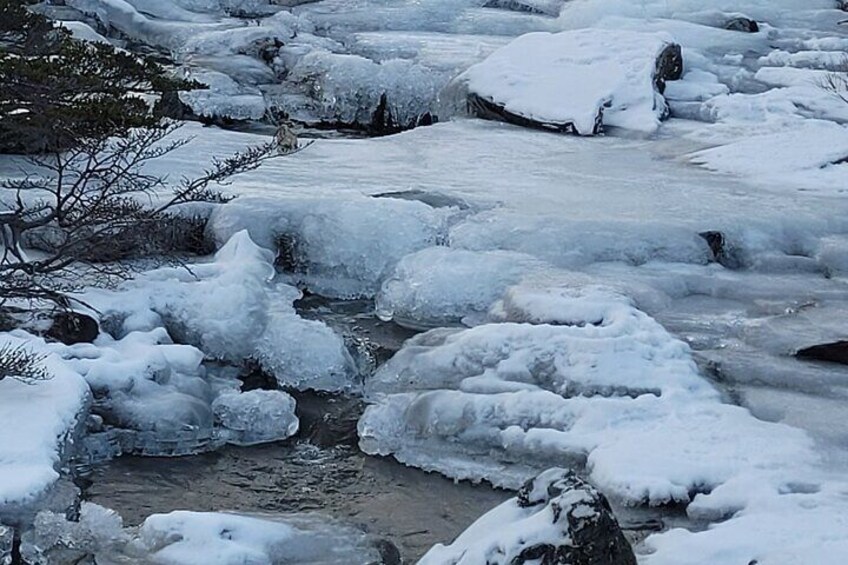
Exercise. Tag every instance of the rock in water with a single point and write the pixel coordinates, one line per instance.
(576, 81)
(557, 518)
(746, 25)
(836, 352)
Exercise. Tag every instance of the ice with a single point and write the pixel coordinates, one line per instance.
(232, 310)
(580, 242)
(183, 537)
(582, 78)
(340, 247)
(55, 539)
(349, 89)
(225, 97)
(257, 416)
(179, 537)
(441, 286)
(40, 419)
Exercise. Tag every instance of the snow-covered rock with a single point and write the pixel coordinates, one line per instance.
(556, 518)
(577, 81)
(183, 538)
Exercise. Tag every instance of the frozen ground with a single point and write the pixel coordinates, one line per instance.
(580, 307)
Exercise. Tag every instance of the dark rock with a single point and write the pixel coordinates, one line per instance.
(836, 352)
(73, 327)
(742, 24)
(526, 7)
(669, 66)
(170, 106)
(715, 240)
(389, 553)
(488, 110)
(290, 255)
(431, 199)
(591, 534)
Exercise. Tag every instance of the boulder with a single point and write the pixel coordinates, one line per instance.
(576, 81)
(557, 518)
(73, 327)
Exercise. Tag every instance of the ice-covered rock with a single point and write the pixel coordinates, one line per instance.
(577, 81)
(441, 286)
(55, 540)
(339, 247)
(384, 97)
(223, 539)
(257, 416)
(232, 310)
(556, 518)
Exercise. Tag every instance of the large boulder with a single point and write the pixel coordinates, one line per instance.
(576, 81)
(557, 518)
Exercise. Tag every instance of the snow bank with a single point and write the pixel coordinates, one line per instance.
(38, 422)
(578, 80)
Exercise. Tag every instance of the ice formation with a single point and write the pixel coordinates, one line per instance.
(257, 416)
(598, 382)
(336, 247)
(181, 538)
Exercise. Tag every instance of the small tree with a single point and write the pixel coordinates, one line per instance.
(87, 198)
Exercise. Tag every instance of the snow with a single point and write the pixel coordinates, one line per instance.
(574, 77)
(576, 262)
(39, 418)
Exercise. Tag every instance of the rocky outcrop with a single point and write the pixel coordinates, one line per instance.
(557, 518)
